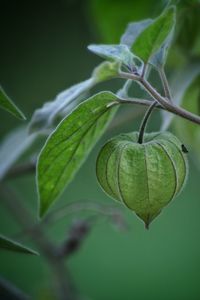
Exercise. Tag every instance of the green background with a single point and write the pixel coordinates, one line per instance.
(43, 51)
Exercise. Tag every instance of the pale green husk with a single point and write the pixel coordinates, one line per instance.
(145, 177)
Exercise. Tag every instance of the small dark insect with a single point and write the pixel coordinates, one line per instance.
(184, 149)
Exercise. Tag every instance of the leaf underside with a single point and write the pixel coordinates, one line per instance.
(112, 52)
(46, 116)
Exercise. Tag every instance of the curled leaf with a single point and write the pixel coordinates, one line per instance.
(46, 116)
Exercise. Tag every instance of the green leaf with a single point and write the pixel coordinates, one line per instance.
(67, 100)
(158, 60)
(7, 104)
(133, 30)
(105, 71)
(119, 53)
(14, 145)
(70, 143)
(153, 37)
(10, 245)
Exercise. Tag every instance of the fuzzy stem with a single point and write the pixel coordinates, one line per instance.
(167, 105)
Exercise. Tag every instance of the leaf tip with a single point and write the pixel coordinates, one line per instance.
(91, 47)
(33, 252)
(22, 116)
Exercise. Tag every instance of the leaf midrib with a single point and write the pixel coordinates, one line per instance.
(76, 148)
(66, 140)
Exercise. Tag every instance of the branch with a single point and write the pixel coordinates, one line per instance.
(162, 100)
(55, 255)
(162, 103)
(25, 219)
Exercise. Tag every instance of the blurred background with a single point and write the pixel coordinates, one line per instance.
(44, 51)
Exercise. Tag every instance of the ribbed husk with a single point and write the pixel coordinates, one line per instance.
(145, 177)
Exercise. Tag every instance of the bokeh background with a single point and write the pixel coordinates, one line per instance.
(44, 51)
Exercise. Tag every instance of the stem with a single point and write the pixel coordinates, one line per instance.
(162, 100)
(165, 84)
(139, 101)
(144, 122)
